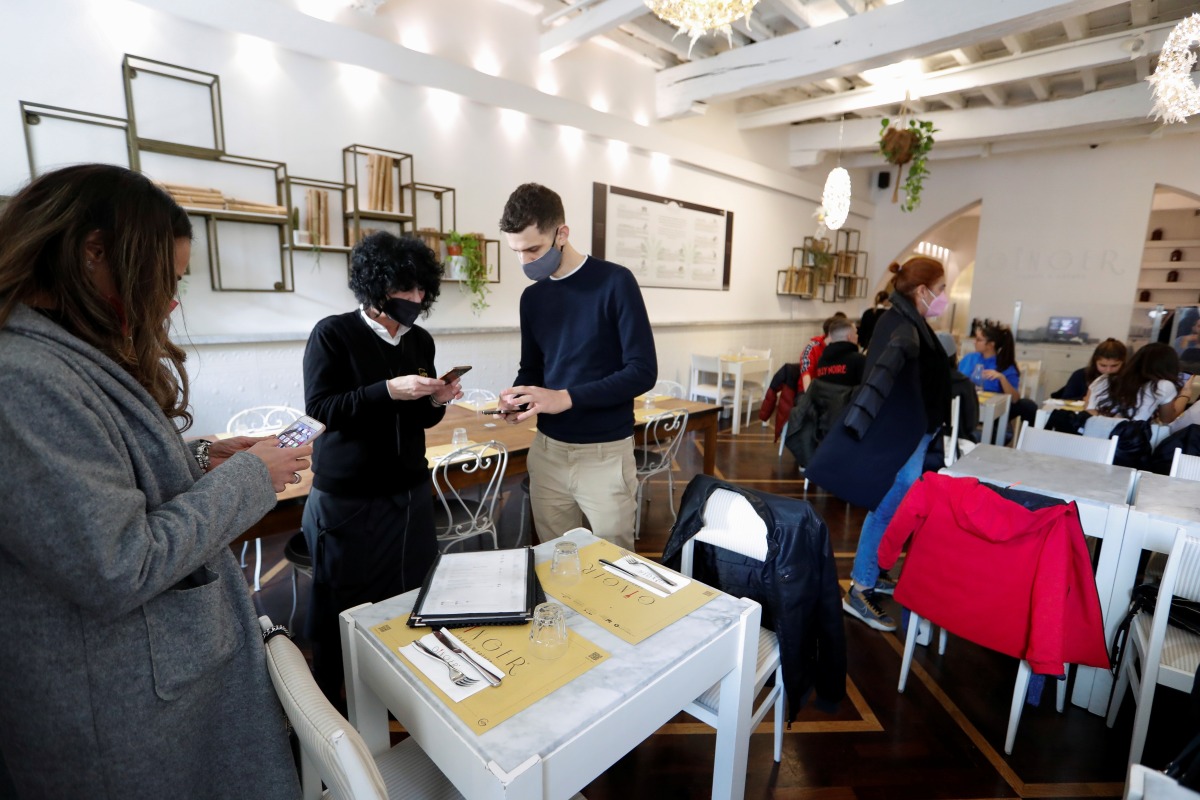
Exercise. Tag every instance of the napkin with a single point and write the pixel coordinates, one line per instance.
(649, 582)
(483, 660)
(436, 671)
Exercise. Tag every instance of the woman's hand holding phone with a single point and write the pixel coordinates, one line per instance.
(284, 464)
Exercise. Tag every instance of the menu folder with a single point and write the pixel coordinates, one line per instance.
(490, 587)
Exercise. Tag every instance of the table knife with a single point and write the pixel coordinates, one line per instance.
(619, 568)
(441, 636)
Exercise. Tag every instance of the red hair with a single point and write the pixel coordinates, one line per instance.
(916, 271)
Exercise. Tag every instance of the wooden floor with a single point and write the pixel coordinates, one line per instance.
(943, 738)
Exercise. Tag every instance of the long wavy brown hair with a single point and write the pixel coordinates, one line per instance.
(42, 262)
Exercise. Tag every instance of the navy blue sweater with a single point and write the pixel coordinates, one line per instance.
(589, 334)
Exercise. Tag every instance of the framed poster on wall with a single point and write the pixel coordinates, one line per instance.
(665, 242)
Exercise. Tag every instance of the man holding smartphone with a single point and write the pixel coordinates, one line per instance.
(587, 351)
(369, 376)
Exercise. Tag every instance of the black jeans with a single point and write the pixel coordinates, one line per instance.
(364, 550)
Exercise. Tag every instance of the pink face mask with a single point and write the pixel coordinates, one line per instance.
(938, 306)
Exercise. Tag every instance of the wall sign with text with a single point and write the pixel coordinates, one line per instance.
(665, 242)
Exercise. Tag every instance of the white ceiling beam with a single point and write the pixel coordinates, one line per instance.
(966, 55)
(1142, 65)
(794, 12)
(1016, 43)
(1040, 88)
(954, 100)
(653, 30)
(995, 95)
(913, 29)
(1069, 57)
(848, 7)
(1076, 28)
(634, 48)
(1088, 76)
(1129, 105)
(600, 18)
(1142, 11)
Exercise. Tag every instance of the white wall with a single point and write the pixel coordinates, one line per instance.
(302, 110)
(1061, 230)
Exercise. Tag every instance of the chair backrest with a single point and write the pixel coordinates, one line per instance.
(730, 522)
(1068, 445)
(327, 740)
(1150, 784)
(1185, 466)
(669, 388)
(262, 420)
(951, 454)
(484, 464)
(1031, 377)
(664, 434)
(705, 378)
(763, 354)
(1181, 577)
(475, 396)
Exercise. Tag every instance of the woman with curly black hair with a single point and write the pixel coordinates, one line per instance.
(369, 376)
(1144, 388)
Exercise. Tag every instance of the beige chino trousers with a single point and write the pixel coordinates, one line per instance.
(567, 481)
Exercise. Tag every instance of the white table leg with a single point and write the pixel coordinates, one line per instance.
(366, 711)
(733, 721)
(1092, 686)
(737, 397)
(1002, 425)
(987, 418)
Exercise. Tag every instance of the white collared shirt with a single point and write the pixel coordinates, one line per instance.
(381, 331)
(572, 272)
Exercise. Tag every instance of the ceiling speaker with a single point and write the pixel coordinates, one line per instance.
(883, 179)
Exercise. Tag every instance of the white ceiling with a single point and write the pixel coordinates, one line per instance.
(993, 75)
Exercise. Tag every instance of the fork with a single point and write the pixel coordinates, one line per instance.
(457, 676)
(638, 562)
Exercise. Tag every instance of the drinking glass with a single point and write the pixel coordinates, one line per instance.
(548, 634)
(977, 375)
(649, 400)
(459, 436)
(565, 567)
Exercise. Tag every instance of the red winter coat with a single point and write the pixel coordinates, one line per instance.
(998, 574)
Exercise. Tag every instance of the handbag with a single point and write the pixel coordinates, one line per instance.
(1185, 614)
(1133, 444)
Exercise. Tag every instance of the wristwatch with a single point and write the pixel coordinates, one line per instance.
(436, 404)
(201, 454)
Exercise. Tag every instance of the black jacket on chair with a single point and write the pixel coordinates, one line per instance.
(796, 586)
(812, 417)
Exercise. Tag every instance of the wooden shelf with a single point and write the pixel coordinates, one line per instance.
(1163, 285)
(237, 216)
(1171, 265)
(323, 248)
(381, 216)
(1173, 243)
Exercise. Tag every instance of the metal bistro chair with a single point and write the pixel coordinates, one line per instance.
(457, 518)
(333, 752)
(260, 421)
(665, 388)
(664, 434)
(731, 523)
(1164, 654)
(1067, 445)
(476, 397)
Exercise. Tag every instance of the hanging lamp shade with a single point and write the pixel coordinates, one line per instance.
(698, 17)
(836, 198)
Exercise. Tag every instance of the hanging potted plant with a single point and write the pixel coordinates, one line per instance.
(464, 260)
(907, 145)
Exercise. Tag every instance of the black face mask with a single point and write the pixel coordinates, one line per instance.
(403, 311)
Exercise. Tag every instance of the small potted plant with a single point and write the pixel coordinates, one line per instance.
(464, 259)
(907, 145)
(299, 236)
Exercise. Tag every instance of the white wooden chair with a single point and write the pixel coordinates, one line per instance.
(331, 750)
(1184, 466)
(705, 381)
(730, 522)
(260, 421)
(664, 434)
(1150, 784)
(754, 388)
(1164, 654)
(457, 518)
(1068, 445)
(1031, 378)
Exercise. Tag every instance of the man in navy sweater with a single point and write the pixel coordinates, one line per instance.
(586, 351)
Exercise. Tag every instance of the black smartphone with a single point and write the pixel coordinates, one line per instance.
(516, 410)
(300, 432)
(455, 374)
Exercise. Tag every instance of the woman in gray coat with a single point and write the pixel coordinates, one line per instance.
(131, 665)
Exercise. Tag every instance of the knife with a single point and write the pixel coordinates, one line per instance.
(657, 574)
(619, 568)
(441, 636)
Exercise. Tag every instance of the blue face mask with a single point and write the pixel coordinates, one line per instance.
(403, 311)
(546, 264)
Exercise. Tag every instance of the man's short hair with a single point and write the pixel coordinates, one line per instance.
(532, 204)
(826, 325)
(839, 330)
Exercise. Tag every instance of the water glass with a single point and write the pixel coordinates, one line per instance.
(649, 400)
(459, 436)
(565, 567)
(548, 633)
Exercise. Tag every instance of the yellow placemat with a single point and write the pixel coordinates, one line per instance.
(527, 678)
(646, 414)
(618, 605)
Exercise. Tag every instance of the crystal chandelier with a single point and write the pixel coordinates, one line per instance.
(836, 198)
(698, 17)
(1176, 96)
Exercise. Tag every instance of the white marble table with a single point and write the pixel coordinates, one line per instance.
(561, 743)
(1102, 493)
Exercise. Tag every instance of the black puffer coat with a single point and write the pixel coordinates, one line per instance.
(796, 586)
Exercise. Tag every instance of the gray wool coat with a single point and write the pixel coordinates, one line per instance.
(131, 665)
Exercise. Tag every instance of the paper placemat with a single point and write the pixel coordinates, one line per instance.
(527, 678)
(620, 604)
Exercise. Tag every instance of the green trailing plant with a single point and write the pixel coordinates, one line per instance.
(474, 271)
(908, 145)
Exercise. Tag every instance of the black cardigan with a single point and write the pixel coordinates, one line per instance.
(373, 445)
(796, 586)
